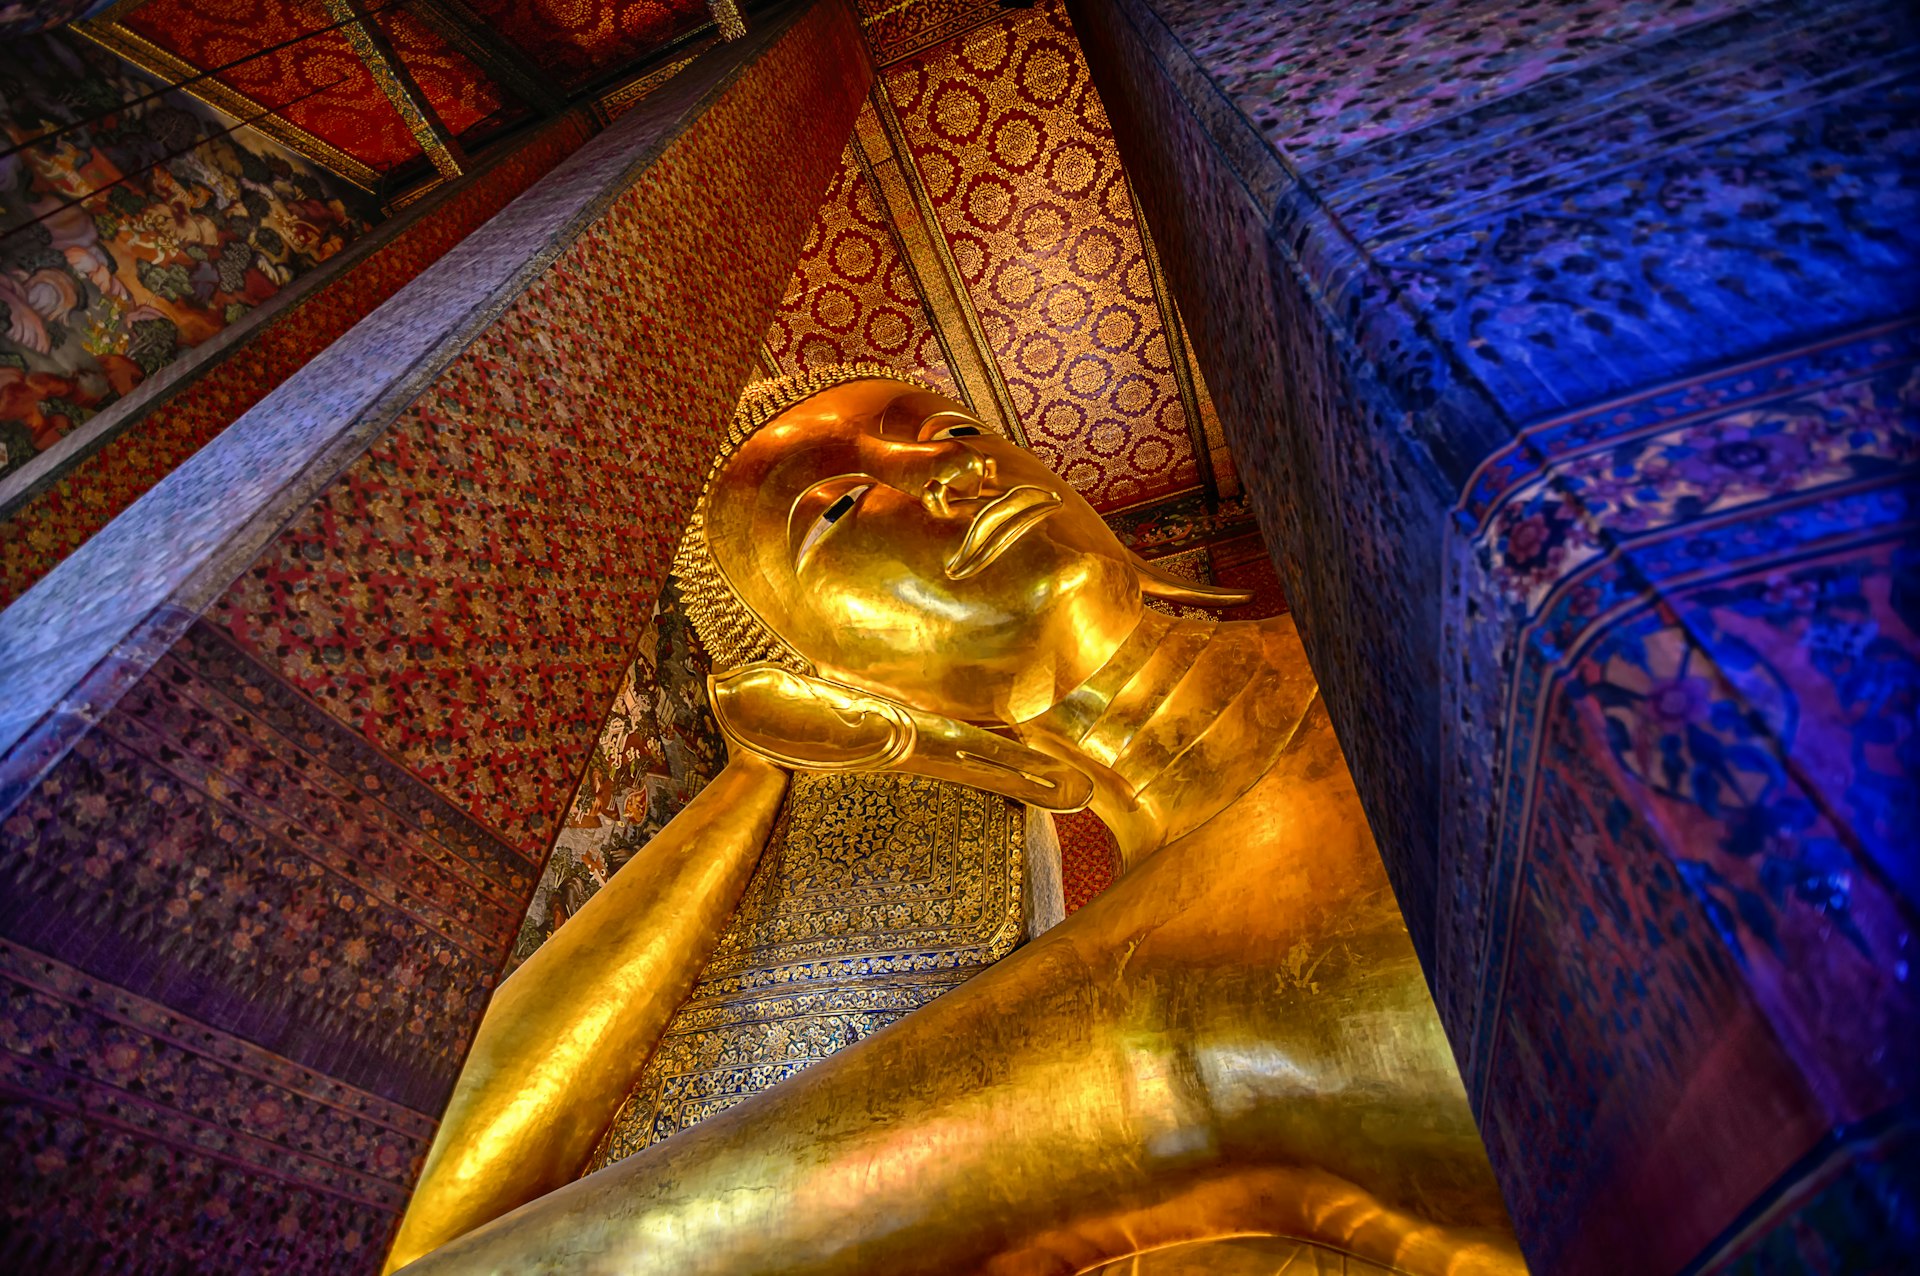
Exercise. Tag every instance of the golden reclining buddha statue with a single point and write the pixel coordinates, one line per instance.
(1234, 1040)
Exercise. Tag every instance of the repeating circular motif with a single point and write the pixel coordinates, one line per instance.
(818, 351)
(1150, 455)
(1040, 355)
(1052, 260)
(939, 173)
(1018, 140)
(985, 54)
(969, 253)
(1088, 376)
(1107, 438)
(1023, 397)
(1153, 353)
(989, 201)
(1065, 306)
(958, 111)
(1013, 284)
(1133, 394)
(1040, 227)
(1063, 420)
(855, 255)
(888, 331)
(1047, 72)
(835, 308)
(1073, 168)
(1116, 328)
(1096, 251)
(1083, 474)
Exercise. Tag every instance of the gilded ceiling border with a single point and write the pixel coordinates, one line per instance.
(177, 73)
(1174, 329)
(888, 157)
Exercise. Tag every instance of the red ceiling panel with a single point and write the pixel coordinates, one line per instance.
(577, 39)
(459, 92)
(1017, 155)
(318, 84)
(851, 297)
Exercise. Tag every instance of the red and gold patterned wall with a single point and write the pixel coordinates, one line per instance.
(44, 527)
(1013, 146)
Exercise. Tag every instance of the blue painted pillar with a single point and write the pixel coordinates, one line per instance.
(1569, 352)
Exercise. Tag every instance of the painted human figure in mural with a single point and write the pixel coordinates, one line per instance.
(1234, 1040)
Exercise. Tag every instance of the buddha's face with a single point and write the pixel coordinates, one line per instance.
(895, 543)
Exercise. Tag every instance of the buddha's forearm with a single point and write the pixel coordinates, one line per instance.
(1234, 1039)
(564, 1036)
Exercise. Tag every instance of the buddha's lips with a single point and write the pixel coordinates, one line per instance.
(998, 526)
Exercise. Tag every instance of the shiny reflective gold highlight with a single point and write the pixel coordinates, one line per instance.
(557, 1049)
(1234, 1040)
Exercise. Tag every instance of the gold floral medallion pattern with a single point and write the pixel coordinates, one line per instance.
(877, 893)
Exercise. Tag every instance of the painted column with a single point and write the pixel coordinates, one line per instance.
(1569, 356)
(281, 747)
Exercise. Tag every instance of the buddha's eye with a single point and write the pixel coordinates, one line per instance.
(841, 506)
(956, 431)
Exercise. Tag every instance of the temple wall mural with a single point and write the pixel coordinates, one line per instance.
(138, 224)
(949, 636)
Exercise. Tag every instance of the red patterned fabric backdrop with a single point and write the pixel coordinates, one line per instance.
(1089, 860)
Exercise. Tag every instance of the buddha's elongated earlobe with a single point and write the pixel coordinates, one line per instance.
(810, 724)
(1155, 583)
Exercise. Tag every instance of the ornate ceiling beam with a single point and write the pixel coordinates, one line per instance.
(437, 141)
(1174, 334)
(177, 73)
(727, 17)
(487, 49)
(894, 178)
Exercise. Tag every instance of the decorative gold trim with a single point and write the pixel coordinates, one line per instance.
(726, 16)
(175, 73)
(1175, 337)
(415, 193)
(616, 102)
(430, 133)
(980, 375)
(769, 363)
(463, 29)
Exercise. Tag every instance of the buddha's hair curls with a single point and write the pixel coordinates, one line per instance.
(731, 631)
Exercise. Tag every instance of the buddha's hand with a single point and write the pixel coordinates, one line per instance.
(810, 724)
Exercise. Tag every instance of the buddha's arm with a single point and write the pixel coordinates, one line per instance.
(1234, 1039)
(564, 1036)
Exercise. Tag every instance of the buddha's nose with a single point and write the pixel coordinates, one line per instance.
(956, 473)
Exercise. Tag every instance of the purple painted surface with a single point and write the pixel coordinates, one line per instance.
(1586, 445)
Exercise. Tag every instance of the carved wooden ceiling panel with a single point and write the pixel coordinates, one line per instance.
(293, 61)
